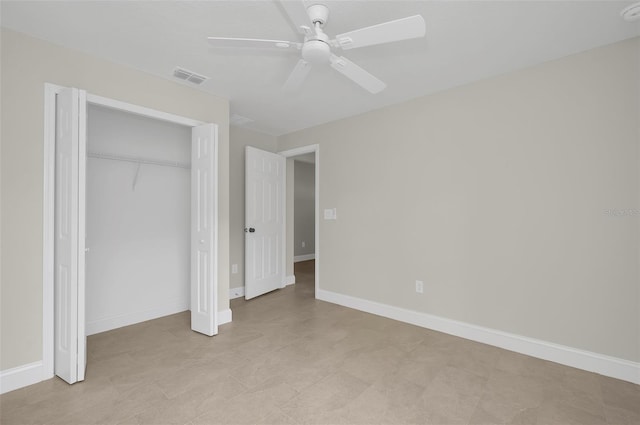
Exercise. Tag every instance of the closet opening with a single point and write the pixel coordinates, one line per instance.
(130, 222)
(138, 197)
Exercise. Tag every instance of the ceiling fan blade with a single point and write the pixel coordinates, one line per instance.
(254, 43)
(297, 12)
(400, 29)
(298, 75)
(357, 74)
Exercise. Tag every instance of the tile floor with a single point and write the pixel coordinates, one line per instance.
(289, 359)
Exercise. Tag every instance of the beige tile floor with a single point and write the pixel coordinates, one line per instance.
(289, 359)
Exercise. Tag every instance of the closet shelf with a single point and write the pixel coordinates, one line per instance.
(138, 160)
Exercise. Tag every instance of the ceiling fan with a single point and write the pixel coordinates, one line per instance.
(317, 48)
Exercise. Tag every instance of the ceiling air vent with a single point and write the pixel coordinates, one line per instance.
(190, 76)
(239, 120)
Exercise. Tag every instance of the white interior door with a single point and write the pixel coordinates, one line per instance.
(204, 225)
(264, 221)
(69, 283)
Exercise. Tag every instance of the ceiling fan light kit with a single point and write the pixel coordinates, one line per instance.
(316, 49)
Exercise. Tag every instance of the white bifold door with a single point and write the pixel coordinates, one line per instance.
(204, 227)
(69, 279)
(264, 222)
(69, 233)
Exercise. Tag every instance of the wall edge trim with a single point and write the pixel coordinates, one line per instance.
(237, 292)
(225, 316)
(305, 257)
(21, 376)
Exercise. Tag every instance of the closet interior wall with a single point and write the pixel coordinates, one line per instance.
(138, 218)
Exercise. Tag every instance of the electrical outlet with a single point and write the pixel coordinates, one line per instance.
(330, 214)
(419, 286)
(304, 244)
(234, 268)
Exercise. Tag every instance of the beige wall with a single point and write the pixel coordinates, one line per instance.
(28, 63)
(239, 139)
(495, 195)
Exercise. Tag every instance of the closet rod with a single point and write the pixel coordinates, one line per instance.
(138, 160)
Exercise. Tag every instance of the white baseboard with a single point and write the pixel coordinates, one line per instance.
(593, 362)
(21, 376)
(305, 257)
(224, 316)
(108, 323)
(236, 292)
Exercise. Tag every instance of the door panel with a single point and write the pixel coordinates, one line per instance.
(69, 329)
(264, 221)
(204, 298)
(82, 232)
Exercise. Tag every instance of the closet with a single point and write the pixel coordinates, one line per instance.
(138, 196)
(131, 221)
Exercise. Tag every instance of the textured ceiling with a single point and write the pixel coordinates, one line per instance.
(466, 41)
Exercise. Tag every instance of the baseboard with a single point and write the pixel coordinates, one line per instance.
(115, 322)
(593, 362)
(224, 316)
(21, 376)
(305, 257)
(237, 292)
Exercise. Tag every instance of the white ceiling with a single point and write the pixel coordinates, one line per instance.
(466, 41)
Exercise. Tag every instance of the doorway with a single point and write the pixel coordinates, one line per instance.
(307, 268)
(304, 221)
(64, 335)
(269, 198)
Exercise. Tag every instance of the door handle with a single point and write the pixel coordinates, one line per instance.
(250, 230)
